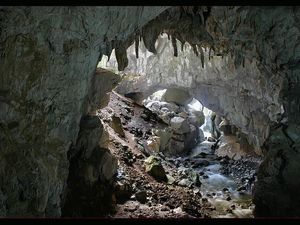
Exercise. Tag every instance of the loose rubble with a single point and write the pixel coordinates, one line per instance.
(153, 184)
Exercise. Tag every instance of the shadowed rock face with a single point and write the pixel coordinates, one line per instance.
(49, 55)
(48, 58)
(89, 190)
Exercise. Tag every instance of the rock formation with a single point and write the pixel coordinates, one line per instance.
(240, 62)
(247, 72)
(48, 58)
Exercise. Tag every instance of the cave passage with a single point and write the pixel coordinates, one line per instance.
(150, 111)
(176, 158)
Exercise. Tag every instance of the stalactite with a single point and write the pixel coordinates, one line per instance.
(150, 34)
(121, 56)
(201, 56)
(137, 46)
(109, 48)
(201, 16)
(174, 44)
(195, 49)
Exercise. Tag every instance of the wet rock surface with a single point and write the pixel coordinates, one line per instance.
(198, 184)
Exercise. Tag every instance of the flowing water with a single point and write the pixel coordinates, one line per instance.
(220, 189)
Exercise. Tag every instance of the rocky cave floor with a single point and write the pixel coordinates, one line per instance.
(200, 185)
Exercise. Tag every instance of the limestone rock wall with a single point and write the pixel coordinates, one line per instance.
(237, 83)
(243, 95)
(47, 58)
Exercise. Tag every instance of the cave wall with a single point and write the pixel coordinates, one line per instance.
(48, 56)
(243, 95)
(253, 80)
(243, 81)
(270, 35)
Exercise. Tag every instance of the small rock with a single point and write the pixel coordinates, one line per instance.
(141, 196)
(116, 124)
(171, 179)
(211, 139)
(241, 188)
(131, 208)
(145, 117)
(164, 198)
(201, 155)
(204, 200)
(232, 207)
(229, 210)
(201, 163)
(165, 208)
(212, 208)
(185, 183)
(194, 177)
(139, 156)
(123, 191)
(154, 168)
(197, 191)
(178, 210)
(209, 195)
(224, 161)
(228, 198)
(225, 190)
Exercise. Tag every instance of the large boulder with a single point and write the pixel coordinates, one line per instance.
(197, 120)
(176, 95)
(116, 125)
(196, 116)
(165, 136)
(215, 121)
(164, 110)
(192, 138)
(231, 147)
(225, 127)
(103, 81)
(173, 143)
(153, 144)
(180, 125)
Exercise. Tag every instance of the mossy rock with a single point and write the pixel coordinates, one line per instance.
(155, 169)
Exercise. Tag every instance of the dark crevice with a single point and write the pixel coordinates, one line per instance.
(292, 145)
(283, 165)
